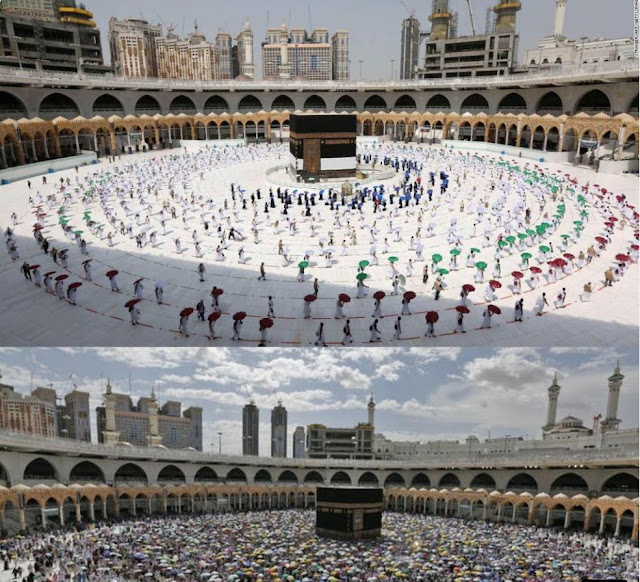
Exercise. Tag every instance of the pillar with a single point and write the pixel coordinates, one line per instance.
(61, 513)
(531, 514)
(485, 508)
(104, 509)
(499, 511)
(232, 129)
(95, 142)
(43, 517)
(77, 143)
(446, 506)
(618, 524)
(567, 518)
(497, 132)
(548, 517)
(602, 519)
(546, 139)
(471, 134)
(205, 504)
(112, 136)
(20, 153)
(164, 502)
(4, 158)
(156, 133)
(33, 150)
(92, 511)
(206, 132)
(180, 133)
(78, 514)
(46, 148)
(134, 511)
(22, 519)
(219, 133)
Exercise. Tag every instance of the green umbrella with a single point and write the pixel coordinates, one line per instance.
(540, 230)
(565, 236)
(577, 222)
(554, 189)
(481, 265)
(502, 243)
(393, 259)
(545, 225)
(362, 276)
(78, 232)
(303, 264)
(455, 252)
(443, 271)
(526, 256)
(474, 250)
(581, 198)
(531, 232)
(584, 214)
(544, 249)
(511, 238)
(363, 264)
(522, 235)
(63, 221)
(558, 216)
(579, 228)
(436, 258)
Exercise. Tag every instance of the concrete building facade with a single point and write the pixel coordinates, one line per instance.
(279, 431)
(251, 429)
(133, 47)
(299, 450)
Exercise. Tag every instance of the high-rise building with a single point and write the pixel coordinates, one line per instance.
(78, 415)
(133, 47)
(192, 58)
(224, 44)
(340, 55)
(409, 48)
(51, 35)
(244, 52)
(250, 429)
(289, 55)
(279, 431)
(147, 425)
(26, 414)
(299, 451)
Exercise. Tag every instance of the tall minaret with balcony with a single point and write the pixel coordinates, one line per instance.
(552, 404)
(154, 434)
(111, 436)
(371, 409)
(611, 421)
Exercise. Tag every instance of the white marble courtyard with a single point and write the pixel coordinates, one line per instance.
(33, 317)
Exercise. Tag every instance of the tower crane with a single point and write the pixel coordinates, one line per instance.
(473, 21)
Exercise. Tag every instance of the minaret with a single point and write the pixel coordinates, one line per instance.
(371, 408)
(154, 438)
(110, 434)
(558, 24)
(552, 406)
(611, 420)
(440, 18)
(246, 38)
(506, 15)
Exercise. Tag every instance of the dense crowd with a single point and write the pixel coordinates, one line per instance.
(282, 546)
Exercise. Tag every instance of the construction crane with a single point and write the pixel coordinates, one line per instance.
(411, 12)
(473, 21)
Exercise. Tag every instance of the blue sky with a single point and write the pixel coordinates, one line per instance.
(421, 393)
(374, 25)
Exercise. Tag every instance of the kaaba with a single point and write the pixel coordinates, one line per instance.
(322, 146)
(349, 512)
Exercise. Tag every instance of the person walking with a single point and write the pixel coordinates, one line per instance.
(320, 337)
(263, 276)
(346, 330)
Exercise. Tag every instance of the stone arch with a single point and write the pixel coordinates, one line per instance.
(394, 480)
(249, 104)
(512, 103)
(58, 105)
(448, 481)
(367, 127)
(632, 108)
(479, 129)
(215, 104)
(313, 477)
(130, 473)
(627, 521)
(288, 477)
(594, 101)
(4, 477)
(205, 475)
(420, 480)
(522, 482)
(147, 105)
(340, 478)
(537, 138)
(525, 137)
(11, 106)
(378, 127)
(620, 484)
(40, 470)
(345, 103)
(553, 139)
(405, 103)
(282, 103)
(107, 105)
(236, 474)
(464, 131)
(474, 102)
(438, 103)
(86, 472)
(368, 478)
(85, 139)
(570, 140)
(315, 103)
(263, 476)
(484, 481)
(557, 515)
(550, 103)
(182, 104)
(375, 103)
(568, 483)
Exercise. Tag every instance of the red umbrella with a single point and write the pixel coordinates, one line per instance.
(310, 298)
(409, 295)
(635, 247)
(379, 295)
(613, 218)
(129, 304)
(215, 316)
(138, 281)
(622, 257)
(432, 316)
(536, 270)
(111, 273)
(344, 298)
(604, 190)
(37, 227)
(62, 277)
(493, 309)
(569, 256)
(34, 267)
(609, 224)
(495, 284)
(238, 316)
(517, 274)
(557, 263)
(468, 288)
(186, 311)
(75, 285)
(217, 292)
(266, 322)
(462, 309)
(49, 273)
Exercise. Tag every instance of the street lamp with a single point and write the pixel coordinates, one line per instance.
(220, 443)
